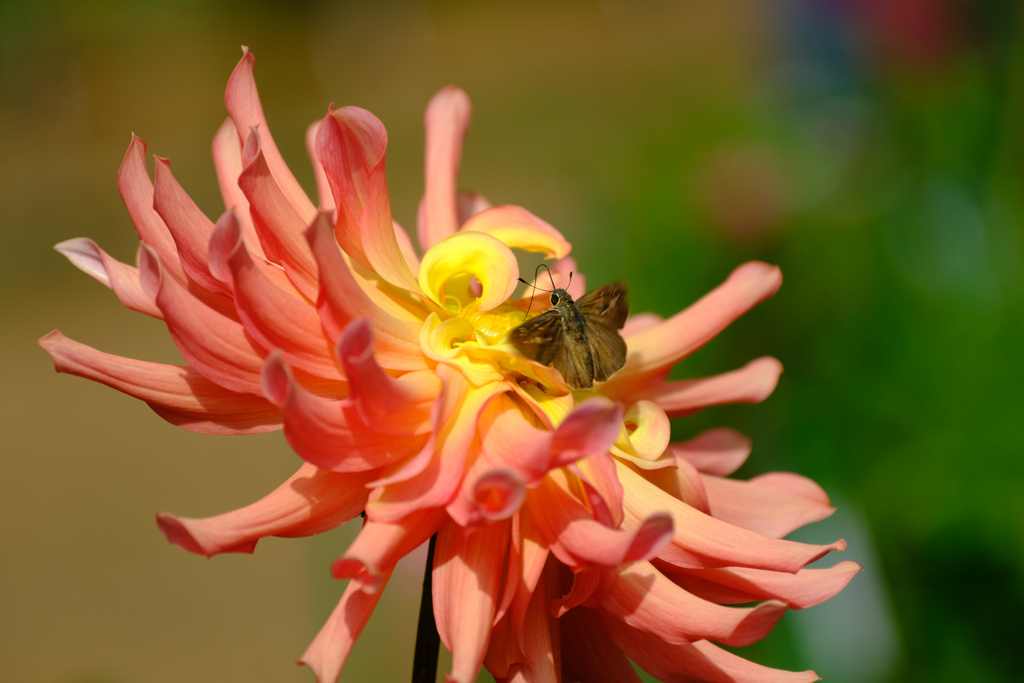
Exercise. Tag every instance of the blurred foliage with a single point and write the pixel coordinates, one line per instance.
(874, 149)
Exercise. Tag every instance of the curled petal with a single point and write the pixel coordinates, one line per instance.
(327, 433)
(646, 599)
(448, 266)
(275, 318)
(459, 407)
(735, 585)
(699, 662)
(243, 104)
(446, 121)
(716, 451)
(466, 577)
(341, 300)
(227, 159)
(350, 144)
(279, 225)
(380, 545)
(189, 227)
(309, 502)
(645, 432)
(137, 192)
(511, 440)
(213, 344)
(180, 395)
(520, 229)
(654, 352)
(327, 653)
(577, 539)
(772, 504)
(86, 255)
(399, 406)
(325, 198)
(487, 493)
(752, 383)
(701, 541)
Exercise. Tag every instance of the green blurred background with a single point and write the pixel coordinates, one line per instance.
(874, 149)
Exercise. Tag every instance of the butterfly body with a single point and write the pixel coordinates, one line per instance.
(579, 339)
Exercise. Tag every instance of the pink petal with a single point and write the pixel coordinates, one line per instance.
(699, 662)
(327, 653)
(350, 144)
(640, 322)
(487, 494)
(323, 188)
(469, 204)
(327, 433)
(467, 575)
(577, 539)
(752, 383)
(243, 104)
(189, 227)
(279, 226)
(440, 479)
(735, 585)
(772, 504)
(227, 159)
(653, 352)
(584, 584)
(446, 121)
(589, 654)
(399, 406)
(86, 255)
(701, 541)
(540, 663)
(341, 300)
(137, 192)
(646, 599)
(520, 229)
(213, 344)
(683, 482)
(601, 487)
(309, 502)
(717, 451)
(180, 395)
(275, 318)
(381, 544)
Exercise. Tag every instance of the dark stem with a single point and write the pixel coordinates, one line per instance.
(428, 642)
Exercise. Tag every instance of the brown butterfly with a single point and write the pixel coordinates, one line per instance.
(580, 339)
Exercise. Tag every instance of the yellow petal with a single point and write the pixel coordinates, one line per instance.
(449, 265)
(520, 229)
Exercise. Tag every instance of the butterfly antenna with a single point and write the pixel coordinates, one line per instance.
(570, 280)
(552, 278)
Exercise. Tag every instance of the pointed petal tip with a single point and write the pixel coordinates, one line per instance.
(653, 535)
(85, 255)
(177, 534)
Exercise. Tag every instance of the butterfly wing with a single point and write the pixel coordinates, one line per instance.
(607, 350)
(575, 363)
(539, 338)
(607, 305)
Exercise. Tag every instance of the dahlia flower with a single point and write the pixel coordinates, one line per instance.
(572, 537)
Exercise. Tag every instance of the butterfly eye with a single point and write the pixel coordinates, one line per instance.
(554, 299)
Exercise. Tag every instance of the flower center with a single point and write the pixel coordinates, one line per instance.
(493, 325)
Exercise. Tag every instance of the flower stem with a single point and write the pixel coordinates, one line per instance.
(428, 642)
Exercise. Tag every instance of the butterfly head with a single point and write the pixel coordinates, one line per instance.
(560, 297)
